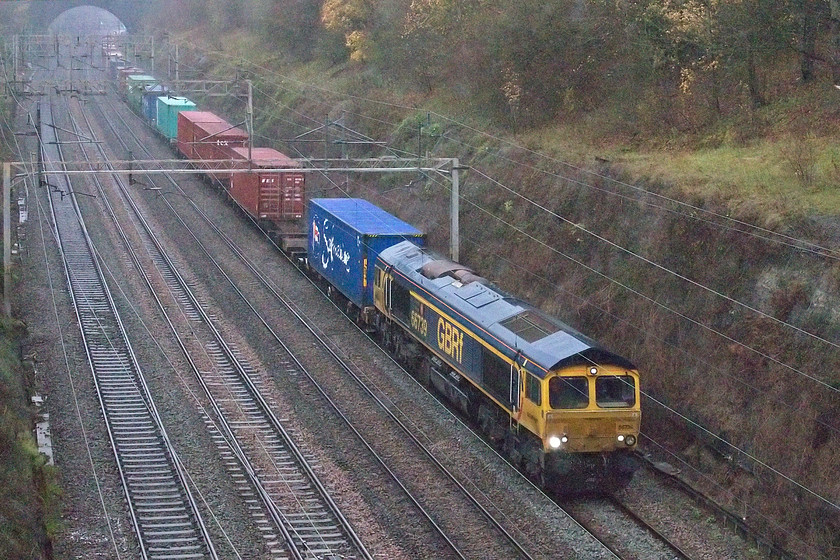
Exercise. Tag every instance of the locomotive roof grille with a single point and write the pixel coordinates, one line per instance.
(505, 321)
(529, 326)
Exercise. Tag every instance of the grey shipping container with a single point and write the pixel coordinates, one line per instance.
(345, 236)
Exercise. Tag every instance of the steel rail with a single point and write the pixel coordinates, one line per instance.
(678, 552)
(230, 437)
(727, 517)
(405, 429)
(165, 523)
(332, 404)
(181, 469)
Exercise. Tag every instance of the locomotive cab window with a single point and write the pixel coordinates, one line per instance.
(568, 392)
(615, 391)
(533, 390)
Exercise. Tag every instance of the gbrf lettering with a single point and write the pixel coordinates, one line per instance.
(450, 340)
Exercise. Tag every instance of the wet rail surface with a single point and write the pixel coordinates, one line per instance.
(163, 511)
(230, 378)
(229, 375)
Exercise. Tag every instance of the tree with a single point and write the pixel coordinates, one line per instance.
(294, 26)
(807, 39)
(353, 19)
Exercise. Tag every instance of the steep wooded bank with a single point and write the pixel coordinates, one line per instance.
(724, 299)
(653, 67)
(29, 493)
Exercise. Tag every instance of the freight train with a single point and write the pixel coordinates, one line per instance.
(565, 410)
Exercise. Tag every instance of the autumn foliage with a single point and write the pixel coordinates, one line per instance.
(678, 63)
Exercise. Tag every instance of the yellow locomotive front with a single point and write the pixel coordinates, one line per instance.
(563, 408)
(591, 410)
(589, 420)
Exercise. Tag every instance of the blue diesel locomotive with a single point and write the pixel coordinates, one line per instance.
(565, 410)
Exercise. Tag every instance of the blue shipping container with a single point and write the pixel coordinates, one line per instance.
(345, 237)
(150, 95)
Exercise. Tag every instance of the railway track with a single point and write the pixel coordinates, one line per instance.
(622, 531)
(305, 522)
(236, 389)
(594, 529)
(163, 511)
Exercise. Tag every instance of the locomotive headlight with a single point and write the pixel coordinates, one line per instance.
(593, 371)
(554, 442)
(620, 438)
(630, 440)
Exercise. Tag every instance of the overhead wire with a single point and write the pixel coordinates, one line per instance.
(682, 277)
(650, 299)
(659, 402)
(767, 234)
(784, 240)
(644, 191)
(763, 233)
(648, 333)
(654, 264)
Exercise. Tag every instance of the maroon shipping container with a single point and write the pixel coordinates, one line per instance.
(213, 142)
(186, 130)
(271, 196)
(213, 138)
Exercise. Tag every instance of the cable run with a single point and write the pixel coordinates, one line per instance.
(657, 265)
(653, 301)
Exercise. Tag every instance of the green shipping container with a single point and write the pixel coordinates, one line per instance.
(135, 85)
(168, 108)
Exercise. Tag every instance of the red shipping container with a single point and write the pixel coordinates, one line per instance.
(212, 142)
(267, 195)
(186, 130)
